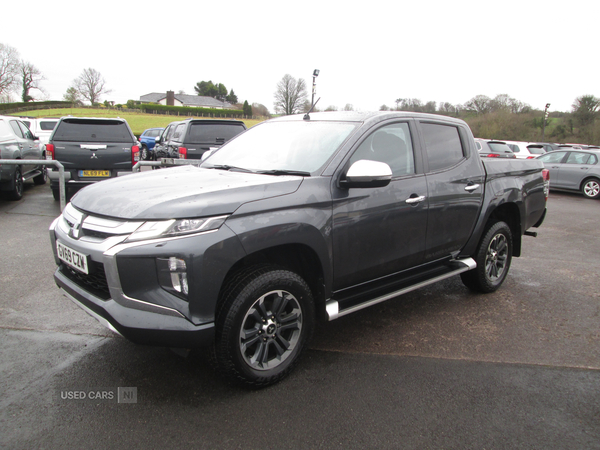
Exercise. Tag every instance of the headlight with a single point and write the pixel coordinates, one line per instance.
(179, 227)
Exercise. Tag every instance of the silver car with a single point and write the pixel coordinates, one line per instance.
(574, 170)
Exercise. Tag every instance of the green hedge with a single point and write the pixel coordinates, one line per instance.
(33, 105)
(189, 111)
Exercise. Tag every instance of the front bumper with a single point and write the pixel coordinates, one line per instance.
(141, 327)
(122, 288)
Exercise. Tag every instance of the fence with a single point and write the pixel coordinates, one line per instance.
(44, 162)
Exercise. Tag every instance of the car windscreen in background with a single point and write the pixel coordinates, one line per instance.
(210, 133)
(48, 125)
(82, 130)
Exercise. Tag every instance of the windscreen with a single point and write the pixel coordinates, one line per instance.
(82, 130)
(213, 133)
(293, 146)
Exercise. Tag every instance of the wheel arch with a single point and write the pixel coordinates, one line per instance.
(509, 213)
(298, 258)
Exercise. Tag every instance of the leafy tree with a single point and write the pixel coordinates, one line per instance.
(247, 109)
(290, 95)
(585, 109)
(31, 77)
(90, 85)
(349, 107)
(206, 89)
(72, 95)
(331, 108)
(232, 98)
(9, 68)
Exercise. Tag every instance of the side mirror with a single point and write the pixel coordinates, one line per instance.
(157, 139)
(367, 174)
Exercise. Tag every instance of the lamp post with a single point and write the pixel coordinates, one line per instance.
(545, 117)
(314, 86)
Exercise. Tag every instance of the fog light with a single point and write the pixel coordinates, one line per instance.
(173, 275)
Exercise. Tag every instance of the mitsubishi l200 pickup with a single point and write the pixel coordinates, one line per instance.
(296, 219)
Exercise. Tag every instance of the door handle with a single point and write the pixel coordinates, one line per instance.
(471, 187)
(413, 200)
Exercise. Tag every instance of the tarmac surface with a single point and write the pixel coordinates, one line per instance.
(440, 367)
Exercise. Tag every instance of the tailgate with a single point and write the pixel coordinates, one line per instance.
(94, 159)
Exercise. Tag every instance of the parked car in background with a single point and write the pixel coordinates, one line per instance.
(91, 150)
(548, 146)
(525, 150)
(574, 170)
(41, 127)
(493, 149)
(191, 138)
(148, 141)
(18, 142)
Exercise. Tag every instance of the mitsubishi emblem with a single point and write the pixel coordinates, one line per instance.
(94, 156)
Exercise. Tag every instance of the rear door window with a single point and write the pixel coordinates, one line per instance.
(16, 129)
(178, 133)
(443, 145)
(553, 157)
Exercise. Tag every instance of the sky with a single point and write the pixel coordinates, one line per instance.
(368, 53)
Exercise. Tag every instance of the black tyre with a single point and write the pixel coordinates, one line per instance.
(42, 177)
(17, 191)
(493, 258)
(145, 154)
(591, 188)
(264, 323)
(56, 194)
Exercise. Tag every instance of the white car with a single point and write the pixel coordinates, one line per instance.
(526, 150)
(41, 127)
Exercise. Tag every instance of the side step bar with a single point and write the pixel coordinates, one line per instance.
(332, 307)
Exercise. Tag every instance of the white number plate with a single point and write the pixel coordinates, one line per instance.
(74, 259)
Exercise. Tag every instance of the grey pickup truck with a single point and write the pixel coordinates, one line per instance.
(298, 218)
(91, 149)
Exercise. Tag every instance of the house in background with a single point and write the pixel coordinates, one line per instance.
(170, 98)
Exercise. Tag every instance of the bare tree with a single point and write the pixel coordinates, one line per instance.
(9, 68)
(481, 104)
(90, 85)
(30, 79)
(290, 95)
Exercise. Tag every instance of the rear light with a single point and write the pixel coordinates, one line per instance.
(493, 155)
(531, 157)
(50, 152)
(182, 153)
(546, 177)
(135, 154)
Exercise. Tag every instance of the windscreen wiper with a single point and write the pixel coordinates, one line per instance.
(228, 167)
(284, 172)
